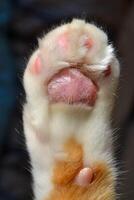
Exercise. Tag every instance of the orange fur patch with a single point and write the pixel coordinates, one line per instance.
(101, 188)
(66, 170)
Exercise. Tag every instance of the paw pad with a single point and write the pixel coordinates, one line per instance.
(63, 41)
(88, 43)
(85, 177)
(36, 68)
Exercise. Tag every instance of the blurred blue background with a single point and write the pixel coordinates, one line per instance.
(21, 23)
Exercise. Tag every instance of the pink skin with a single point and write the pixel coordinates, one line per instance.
(88, 43)
(63, 41)
(70, 86)
(84, 177)
(36, 68)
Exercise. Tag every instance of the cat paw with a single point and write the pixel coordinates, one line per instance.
(71, 65)
(73, 71)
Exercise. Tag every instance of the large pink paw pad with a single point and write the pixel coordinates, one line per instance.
(70, 86)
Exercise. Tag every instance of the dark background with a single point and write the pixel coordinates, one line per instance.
(21, 23)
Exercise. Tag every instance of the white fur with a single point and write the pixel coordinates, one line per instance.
(47, 126)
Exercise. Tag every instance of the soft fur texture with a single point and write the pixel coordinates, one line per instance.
(61, 138)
